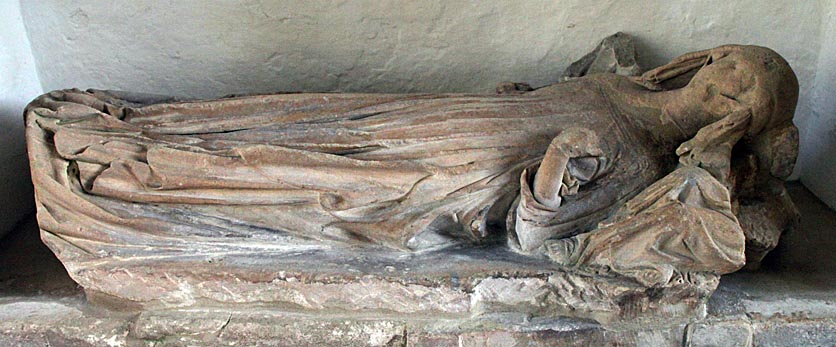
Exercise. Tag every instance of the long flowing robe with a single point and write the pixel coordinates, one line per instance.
(371, 167)
(124, 176)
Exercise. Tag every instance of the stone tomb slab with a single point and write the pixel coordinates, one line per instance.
(456, 282)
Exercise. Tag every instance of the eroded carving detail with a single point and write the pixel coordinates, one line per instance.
(655, 178)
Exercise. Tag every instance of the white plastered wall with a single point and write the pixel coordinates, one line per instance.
(212, 48)
(818, 156)
(18, 85)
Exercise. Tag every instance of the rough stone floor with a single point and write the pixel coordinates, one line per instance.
(791, 301)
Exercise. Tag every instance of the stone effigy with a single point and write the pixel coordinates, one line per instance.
(608, 197)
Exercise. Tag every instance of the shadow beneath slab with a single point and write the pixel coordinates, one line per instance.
(808, 249)
(800, 268)
(29, 268)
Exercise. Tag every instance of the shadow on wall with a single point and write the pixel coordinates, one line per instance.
(16, 197)
(19, 83)
(805, 248)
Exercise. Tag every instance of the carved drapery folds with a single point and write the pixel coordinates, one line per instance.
(647, 178)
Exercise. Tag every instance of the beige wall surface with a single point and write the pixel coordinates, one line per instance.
(212, 48)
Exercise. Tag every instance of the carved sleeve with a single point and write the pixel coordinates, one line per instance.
(682, 223)
(574, 158)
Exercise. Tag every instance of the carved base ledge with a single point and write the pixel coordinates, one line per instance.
(451, 283)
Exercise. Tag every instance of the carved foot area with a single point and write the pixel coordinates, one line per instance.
(765, 217)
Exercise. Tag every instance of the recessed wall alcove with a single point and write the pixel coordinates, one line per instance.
(199, 49)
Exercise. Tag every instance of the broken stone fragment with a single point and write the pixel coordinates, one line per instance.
(513, 88)
(615, 54)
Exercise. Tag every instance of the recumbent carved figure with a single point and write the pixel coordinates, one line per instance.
(678, 170)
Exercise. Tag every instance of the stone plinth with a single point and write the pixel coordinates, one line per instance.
(452, 283)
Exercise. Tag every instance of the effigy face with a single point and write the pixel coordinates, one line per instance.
(572, 199)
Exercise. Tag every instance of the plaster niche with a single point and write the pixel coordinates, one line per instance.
(615, 196)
